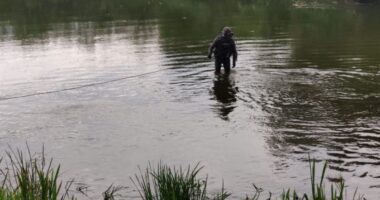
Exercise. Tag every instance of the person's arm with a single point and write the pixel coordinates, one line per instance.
(234, 54)
(211, 48)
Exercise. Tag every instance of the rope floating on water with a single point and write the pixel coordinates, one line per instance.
(81, 86)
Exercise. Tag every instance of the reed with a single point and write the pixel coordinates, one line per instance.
(318, 187)
(31, 177)
(166, 183)
(28, 177)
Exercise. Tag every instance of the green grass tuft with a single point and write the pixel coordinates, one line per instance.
(166, 183)
(318, 190)
(31, 178)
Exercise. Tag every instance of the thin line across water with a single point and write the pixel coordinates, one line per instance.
(81, 86)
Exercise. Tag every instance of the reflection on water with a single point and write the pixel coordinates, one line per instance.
(224, 92)
(307, 81)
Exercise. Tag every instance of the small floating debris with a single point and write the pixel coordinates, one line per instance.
(363, 175)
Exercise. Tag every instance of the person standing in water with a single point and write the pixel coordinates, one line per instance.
(223, 48)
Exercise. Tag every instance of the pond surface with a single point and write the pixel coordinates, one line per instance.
(307, 82)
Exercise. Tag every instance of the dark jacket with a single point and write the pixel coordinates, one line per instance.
(223, 47)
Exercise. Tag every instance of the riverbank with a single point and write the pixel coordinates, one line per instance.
(29, 176)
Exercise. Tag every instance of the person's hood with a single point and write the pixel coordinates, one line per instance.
(227, 32)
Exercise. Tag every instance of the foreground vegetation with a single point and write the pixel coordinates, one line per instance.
(33, 177)
(28, 177)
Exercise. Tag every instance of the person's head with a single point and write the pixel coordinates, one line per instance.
(227, 32)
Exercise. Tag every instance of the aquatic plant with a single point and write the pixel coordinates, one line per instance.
(318, 190)
(112, 191)
(166, 183)
(31, 178)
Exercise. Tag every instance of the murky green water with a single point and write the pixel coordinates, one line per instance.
(307, 81)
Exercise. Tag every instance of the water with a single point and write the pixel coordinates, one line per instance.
(307, 81)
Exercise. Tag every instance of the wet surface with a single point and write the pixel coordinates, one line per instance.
(307, 81)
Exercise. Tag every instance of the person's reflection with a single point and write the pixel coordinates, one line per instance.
(224, 91)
